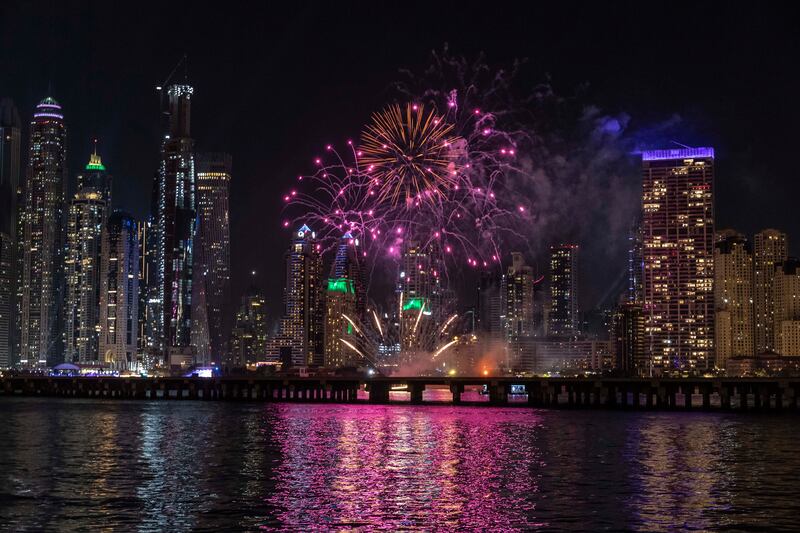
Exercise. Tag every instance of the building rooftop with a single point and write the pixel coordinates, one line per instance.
(679, 153)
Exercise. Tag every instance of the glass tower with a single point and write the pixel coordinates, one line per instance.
(42, 223)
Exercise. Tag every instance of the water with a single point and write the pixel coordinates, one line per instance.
(88, 464)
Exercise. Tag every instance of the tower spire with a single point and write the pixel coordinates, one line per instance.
(95, 162)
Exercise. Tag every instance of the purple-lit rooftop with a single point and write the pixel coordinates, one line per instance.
(680, 153)
(48, 108)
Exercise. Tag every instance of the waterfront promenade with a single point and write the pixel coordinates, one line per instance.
(612, 393)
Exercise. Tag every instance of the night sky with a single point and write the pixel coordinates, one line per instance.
(274, 84)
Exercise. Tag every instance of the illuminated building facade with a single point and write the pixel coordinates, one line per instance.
(770, 249)
(10, 191)
(564, 316)
(419, 291)
(119, 293)
(212, 256)
(87, 215)
(85, 221)
(146, 337)
(42, 228)
(7, 255)
(175, 227)
(786, 307)
(518, 284)
(635, 264)
(249, 335)
(733, 297)
(301, 340)
(345, 295)
(678, 257)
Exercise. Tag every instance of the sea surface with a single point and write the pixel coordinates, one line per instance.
(184, 465)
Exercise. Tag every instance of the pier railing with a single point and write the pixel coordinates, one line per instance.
(615, 393)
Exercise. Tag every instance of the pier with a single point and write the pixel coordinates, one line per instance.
(715, 394)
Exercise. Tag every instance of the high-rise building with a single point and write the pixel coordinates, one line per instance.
(175, 227)
(10, 138)
(771, 249)
(119, 290)
(345, 296)
(420, 297)
(42, 226)
(86, 217)
(249, 335)
(564, 315)
(678, 244)
(629, 340)
(635, 264)
(85, 220)
(145, 336)
(212, 256)
(95, 177)
(490, 312)
(518, 285)
(733, 297)
(150, 310)
(786, 310)
(301, 339)
(10, 191)
(6, 300)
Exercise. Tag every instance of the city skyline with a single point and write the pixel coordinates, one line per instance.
(275, 140)
(187, 239)
(710, 274)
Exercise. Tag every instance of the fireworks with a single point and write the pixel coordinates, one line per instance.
(434, 179)
(410, 156)
(380, 340)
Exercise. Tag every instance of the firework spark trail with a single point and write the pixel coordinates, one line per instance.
(419, 316)
(359, 352)
(352, 323)
(448, 322)
(377, 323)
(443, 348)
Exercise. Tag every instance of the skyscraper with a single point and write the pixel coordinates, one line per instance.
(786, 307)
(628, 339)
(86, 218)
(518, 284)
(678, 244)
(635, 265)
(150, 309)
(301, 340)
(10, 189)
(87, 215)
(249, 335)
(490, 310)
(771, 249)
(10, 136)
(733, 296)
(146, 253)
(564, 317)
(175, 227)
(419, 292)
(7, 322)
(119, 292)
(345, 295)
(212, 255)
(43, 220)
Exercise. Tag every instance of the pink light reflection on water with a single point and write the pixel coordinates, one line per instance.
(394, 467)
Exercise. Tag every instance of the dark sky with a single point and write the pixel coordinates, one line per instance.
(274, 83)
